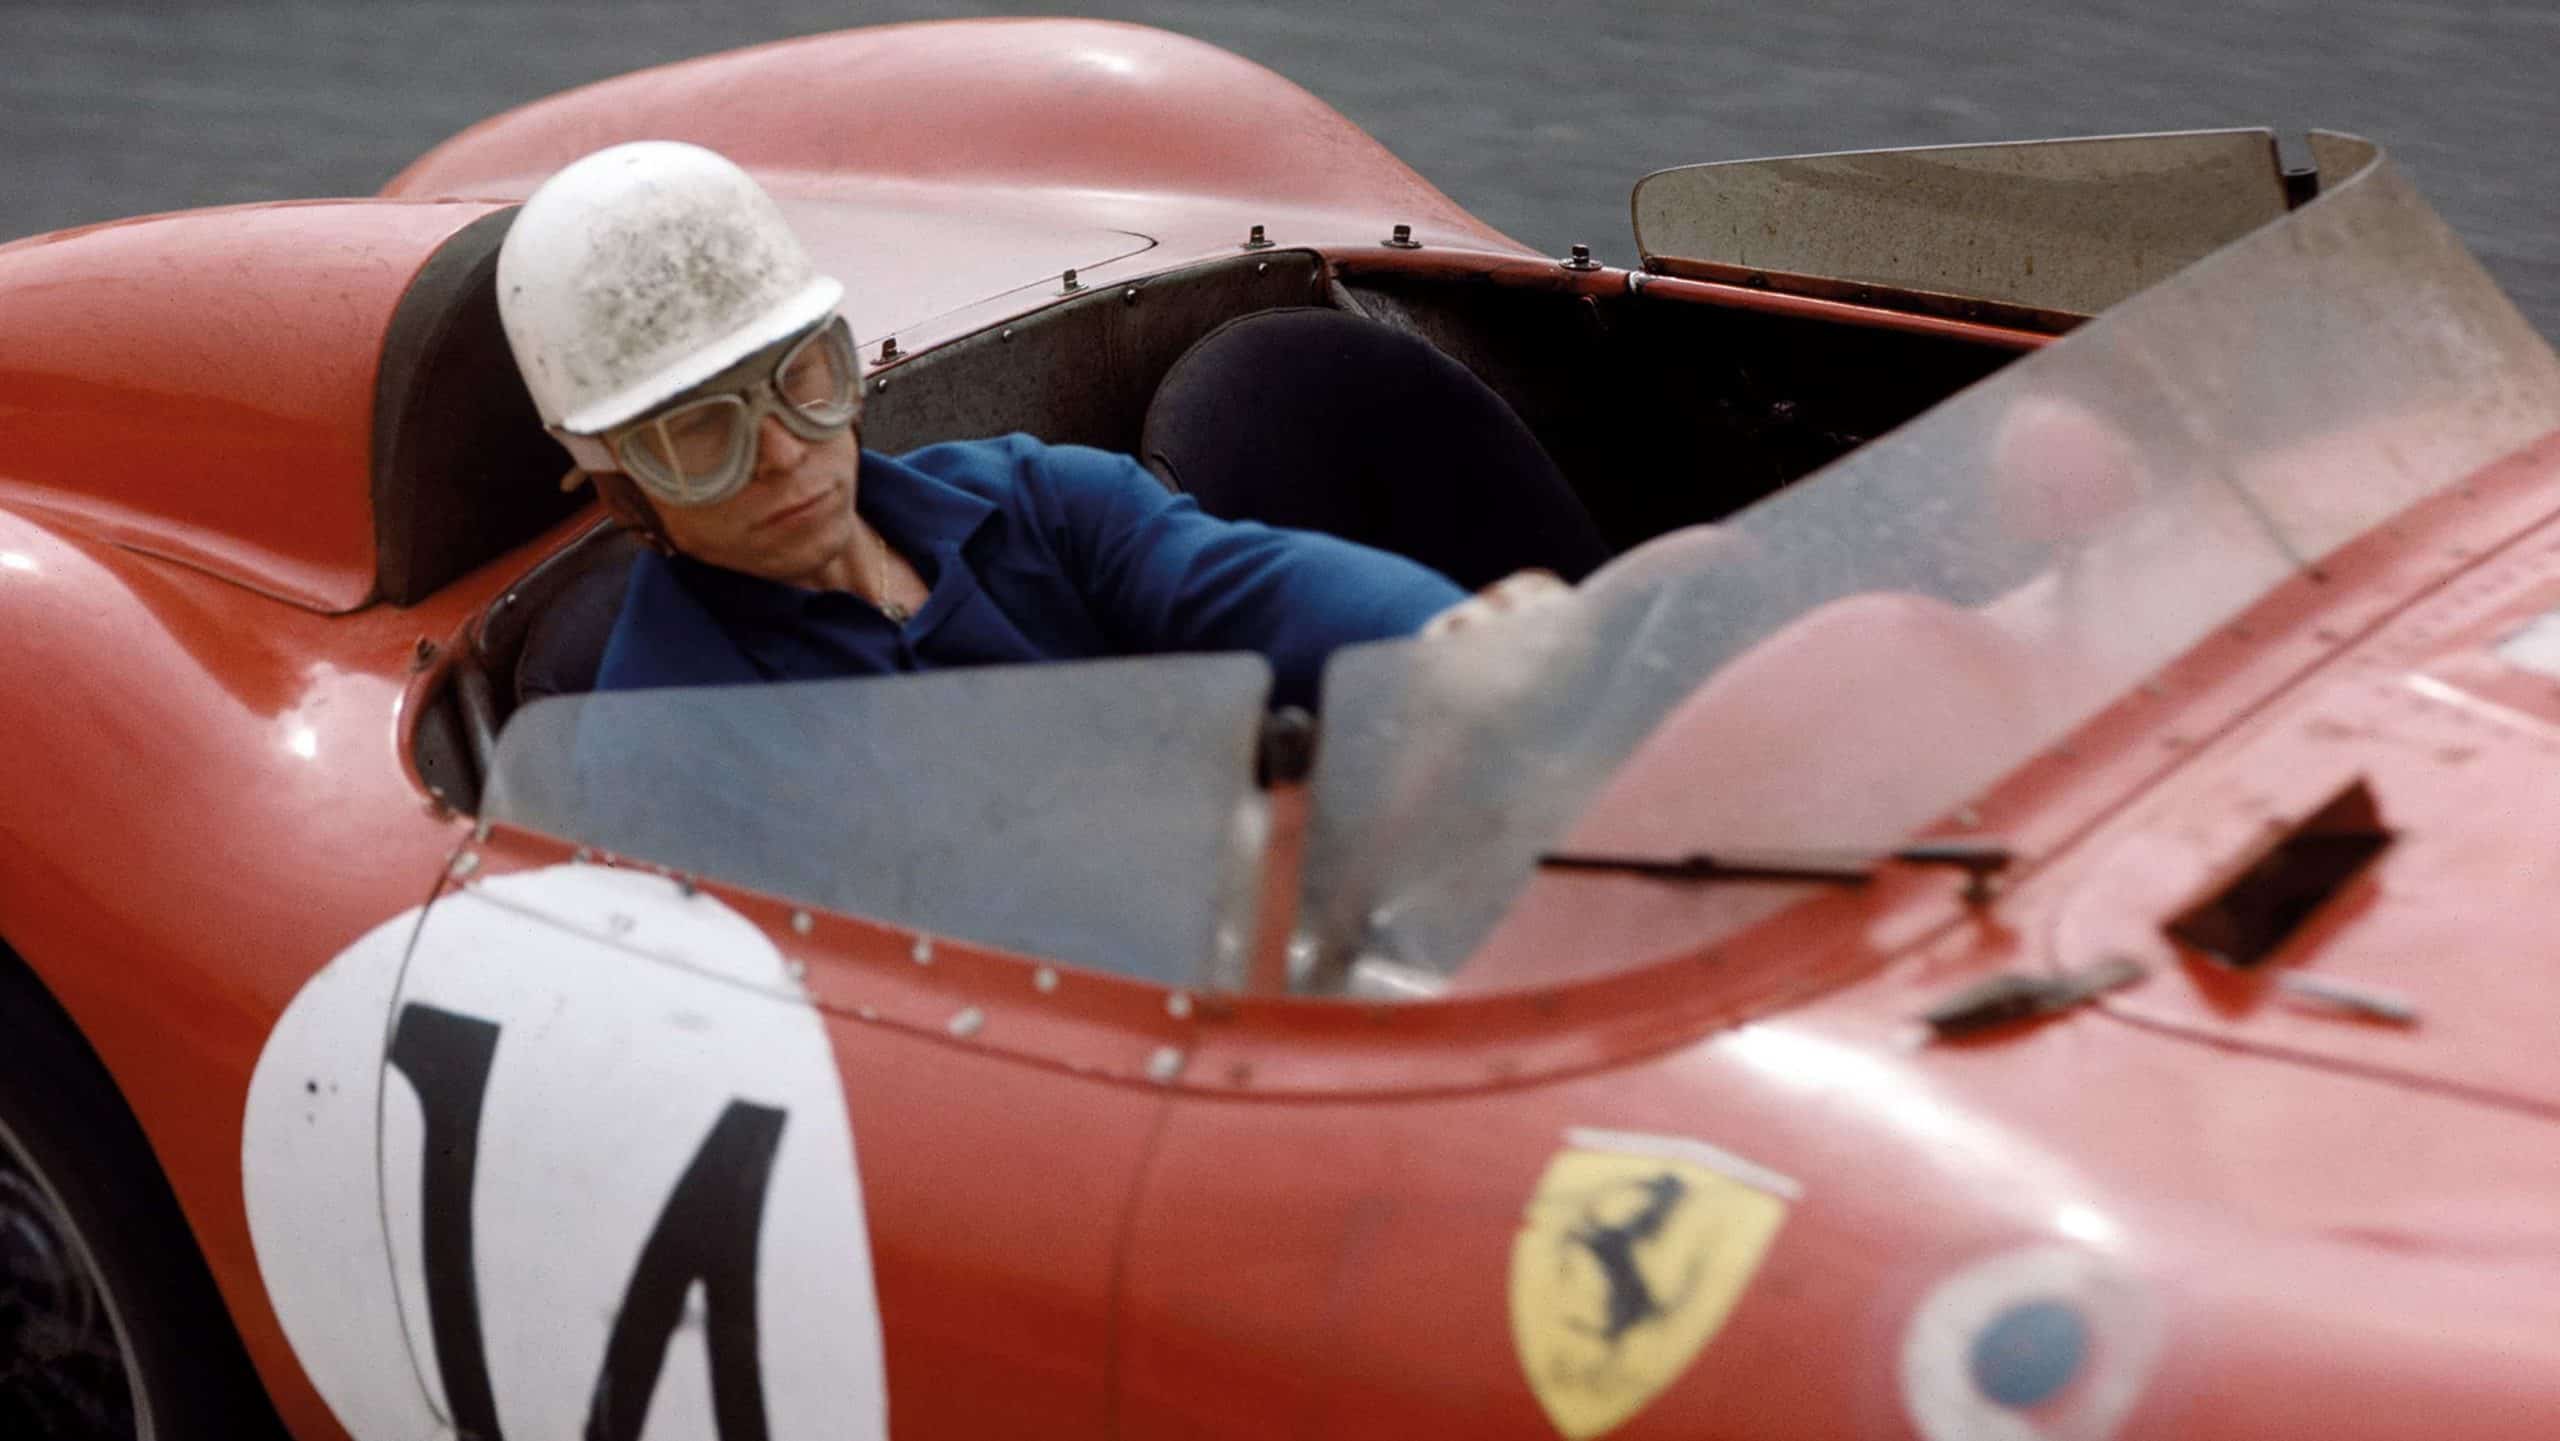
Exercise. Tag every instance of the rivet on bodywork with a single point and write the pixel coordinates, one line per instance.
(866, 1013)
(464, 864)
(1165, 1064)
(1005, 334)
(424, 655)
(1254, 239)
(968, 1023)
(922, 951)
(802, 923)
(1130, 295)
(1401, 238)
(1044, 980)
(1178, 1005)
(880, 385)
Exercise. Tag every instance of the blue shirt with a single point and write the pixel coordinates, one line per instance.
(1032, 552)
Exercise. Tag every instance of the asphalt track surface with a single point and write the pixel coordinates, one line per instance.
(1535, 115)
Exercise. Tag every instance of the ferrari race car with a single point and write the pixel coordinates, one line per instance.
(2012, 908)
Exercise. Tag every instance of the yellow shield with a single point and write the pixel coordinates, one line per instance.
(1630, 1256)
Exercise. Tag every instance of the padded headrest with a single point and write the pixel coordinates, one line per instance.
(462, 471)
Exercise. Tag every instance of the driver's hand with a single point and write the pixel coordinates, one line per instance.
(1522, 590)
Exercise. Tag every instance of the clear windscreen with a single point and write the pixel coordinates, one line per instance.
(2063, 226)
(1864, 651)
(1098, 813)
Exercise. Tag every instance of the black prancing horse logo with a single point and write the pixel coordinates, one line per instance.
(1613, 1248)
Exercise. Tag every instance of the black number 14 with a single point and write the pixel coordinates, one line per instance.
(707, 1231)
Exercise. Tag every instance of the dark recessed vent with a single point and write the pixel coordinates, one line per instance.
(2272, 892)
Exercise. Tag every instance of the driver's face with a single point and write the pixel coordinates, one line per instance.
(792, 517)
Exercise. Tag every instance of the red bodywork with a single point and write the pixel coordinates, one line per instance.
(2343, 1229)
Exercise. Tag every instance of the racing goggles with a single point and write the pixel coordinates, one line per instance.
(701, 450)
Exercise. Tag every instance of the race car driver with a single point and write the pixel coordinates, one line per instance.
(678, 342)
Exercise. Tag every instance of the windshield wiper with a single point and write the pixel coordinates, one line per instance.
(1980, 860)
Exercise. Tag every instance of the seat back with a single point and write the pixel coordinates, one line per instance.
(462, 470)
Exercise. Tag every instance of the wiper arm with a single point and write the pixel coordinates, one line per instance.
(1980, 860)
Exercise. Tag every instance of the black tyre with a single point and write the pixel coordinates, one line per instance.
(109, 1323)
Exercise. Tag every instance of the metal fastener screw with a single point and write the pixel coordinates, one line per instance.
(1401, 238)
(1044, 980)
(1164, 1064)
(968, 1023)
(922, 950)
(1130, 295)
(1254, 239)
(1070, 282)
(795, 969)
(880, 385)
(1178, 1005)
(1263, 269)
(888, 350)
(1005, 334)
(802, 923)
(1580, 259)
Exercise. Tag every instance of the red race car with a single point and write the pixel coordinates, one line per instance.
(2012, 908)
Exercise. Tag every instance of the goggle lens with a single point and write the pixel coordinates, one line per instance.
(693, 454)
(818, 378)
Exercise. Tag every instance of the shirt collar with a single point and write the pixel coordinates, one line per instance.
(919, 513)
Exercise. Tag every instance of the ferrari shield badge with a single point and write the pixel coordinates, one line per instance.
(1631, 1254)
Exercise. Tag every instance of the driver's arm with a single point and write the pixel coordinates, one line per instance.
(1161, 575)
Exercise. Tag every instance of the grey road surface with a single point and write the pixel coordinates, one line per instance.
(1535, 115)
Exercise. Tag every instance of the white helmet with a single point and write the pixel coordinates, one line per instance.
(643, 270)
